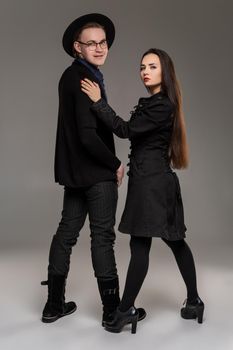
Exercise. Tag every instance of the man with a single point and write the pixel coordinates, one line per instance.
(86, 165)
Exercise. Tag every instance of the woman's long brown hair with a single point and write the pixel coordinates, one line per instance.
(178, 152)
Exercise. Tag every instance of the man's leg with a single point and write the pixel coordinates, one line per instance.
(102, 202)
(73, 217)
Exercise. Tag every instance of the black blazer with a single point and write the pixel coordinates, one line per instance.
(85, 152)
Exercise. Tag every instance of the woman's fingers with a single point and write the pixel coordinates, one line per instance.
(84, 89)
(91, 89)
(88, 82)
(85, 83)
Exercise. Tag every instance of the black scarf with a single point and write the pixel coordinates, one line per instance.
(97, 73)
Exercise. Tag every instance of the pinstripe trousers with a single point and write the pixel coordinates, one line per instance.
(99, 202)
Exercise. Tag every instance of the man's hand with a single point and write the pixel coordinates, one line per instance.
(120, 174)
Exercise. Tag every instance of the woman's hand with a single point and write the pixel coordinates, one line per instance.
(91, 89)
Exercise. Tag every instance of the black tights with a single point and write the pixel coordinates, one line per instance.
(139, 263)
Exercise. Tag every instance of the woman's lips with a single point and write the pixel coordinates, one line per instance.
(146, 79)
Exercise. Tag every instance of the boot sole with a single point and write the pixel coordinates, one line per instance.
(55, 318)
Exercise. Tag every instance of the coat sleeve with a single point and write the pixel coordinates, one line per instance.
(87, 131)
(150, 118)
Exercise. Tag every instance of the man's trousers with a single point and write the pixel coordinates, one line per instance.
(99, 202)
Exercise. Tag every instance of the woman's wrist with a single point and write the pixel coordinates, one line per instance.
(99, 99)
(98, 103)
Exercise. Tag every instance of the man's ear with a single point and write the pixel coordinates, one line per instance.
(77, 47)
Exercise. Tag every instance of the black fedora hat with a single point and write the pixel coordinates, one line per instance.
(78, 23)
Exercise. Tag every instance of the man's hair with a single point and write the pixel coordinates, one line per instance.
(87, 25)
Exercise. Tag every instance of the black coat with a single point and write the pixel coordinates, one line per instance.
(153, 204)
(85, 152)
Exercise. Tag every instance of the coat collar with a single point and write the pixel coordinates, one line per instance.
(87, 69)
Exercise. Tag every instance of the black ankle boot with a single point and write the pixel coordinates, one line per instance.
(109, 293)
(121, 319)
(56, 307)
(193, 310)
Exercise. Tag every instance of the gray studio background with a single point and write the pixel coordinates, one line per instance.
(198, 36)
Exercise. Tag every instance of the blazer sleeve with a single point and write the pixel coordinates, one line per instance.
(87, 131)
(145, 120)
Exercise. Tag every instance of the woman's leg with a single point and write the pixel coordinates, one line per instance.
(137, 270)
(185, 262)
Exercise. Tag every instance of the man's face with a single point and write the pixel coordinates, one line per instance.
(95, 54)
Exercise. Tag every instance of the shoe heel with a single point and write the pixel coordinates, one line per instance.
(134, 325)
(200, 312)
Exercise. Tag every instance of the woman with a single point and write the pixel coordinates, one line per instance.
(153, 206)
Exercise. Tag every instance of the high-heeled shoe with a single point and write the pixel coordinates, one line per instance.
(121, 319)
(193, 310)
(108, 317)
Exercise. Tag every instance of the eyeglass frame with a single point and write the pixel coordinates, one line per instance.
(94, 43)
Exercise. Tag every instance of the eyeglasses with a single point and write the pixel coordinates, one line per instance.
(92, 45)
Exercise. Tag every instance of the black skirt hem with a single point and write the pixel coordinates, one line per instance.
(171, 236)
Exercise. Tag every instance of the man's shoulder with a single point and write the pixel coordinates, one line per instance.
(70, 71)
(69, 78)
(75, 72)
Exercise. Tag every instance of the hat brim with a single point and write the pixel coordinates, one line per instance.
(68, 37)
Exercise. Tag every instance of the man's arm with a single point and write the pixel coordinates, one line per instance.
(87, 125)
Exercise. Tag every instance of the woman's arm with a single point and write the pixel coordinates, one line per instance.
(151, 117)
(102, 110)
(107, 115)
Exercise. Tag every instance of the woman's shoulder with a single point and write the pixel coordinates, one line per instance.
(158, 100)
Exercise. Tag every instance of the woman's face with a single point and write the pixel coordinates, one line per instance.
(151, 72)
